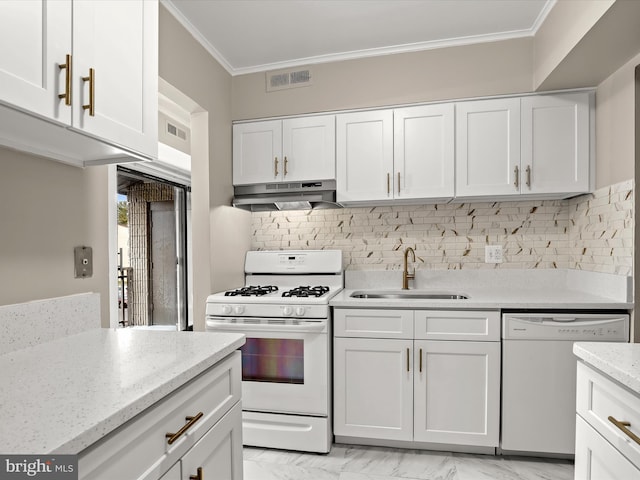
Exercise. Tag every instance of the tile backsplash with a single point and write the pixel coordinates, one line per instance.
(591, 232)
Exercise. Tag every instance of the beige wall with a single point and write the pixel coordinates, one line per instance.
(47, 209)
(440, 74)
(566, 24)
(220, 233)
(615, 126)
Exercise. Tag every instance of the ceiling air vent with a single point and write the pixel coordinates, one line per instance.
(283, 79)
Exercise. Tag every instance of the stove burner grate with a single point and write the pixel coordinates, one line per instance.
(306, 291)
(251, 291)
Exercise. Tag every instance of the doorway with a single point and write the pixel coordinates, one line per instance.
(153, 244)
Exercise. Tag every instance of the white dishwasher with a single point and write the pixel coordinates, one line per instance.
(539, 376)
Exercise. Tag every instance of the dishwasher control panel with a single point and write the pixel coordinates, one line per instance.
(564, 326)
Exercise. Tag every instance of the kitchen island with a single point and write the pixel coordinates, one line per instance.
(71, 394)
(607, 410)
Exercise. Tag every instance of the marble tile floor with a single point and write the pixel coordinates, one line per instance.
(351, 462)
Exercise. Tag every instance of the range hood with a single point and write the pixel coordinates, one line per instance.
(286, 196)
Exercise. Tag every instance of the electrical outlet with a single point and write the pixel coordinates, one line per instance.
(493, 254)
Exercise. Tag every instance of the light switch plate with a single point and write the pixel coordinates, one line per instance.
(493, 254)
(83, 260)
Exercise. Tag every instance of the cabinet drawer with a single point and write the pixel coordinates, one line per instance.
(373, 323)
(482, 326)
(596, 459)
(598, 399)
(140, 450)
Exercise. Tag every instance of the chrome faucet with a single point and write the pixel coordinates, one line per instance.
(406, 276)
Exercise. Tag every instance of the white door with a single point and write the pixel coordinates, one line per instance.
(373, 385)
(117, 41)
(555, 143)
(424, 152)
(257, 152)
(457, 392)
(218, 454)
(309, 148)
(597, 459)
(364, 156)
(35, 38)
(488, 148)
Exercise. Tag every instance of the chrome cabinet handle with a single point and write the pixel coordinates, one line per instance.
(172, 437)
(528, 176)
(66, 66)
(92, 92)
(623, 426)
(198, 476)
(388, 183)
(420, 360)
(516, 172)
(398, 183)
(275, 173)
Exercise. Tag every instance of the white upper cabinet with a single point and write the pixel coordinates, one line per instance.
(555, 143)
(290, 150)
(123, 108)
(396, 156)
(364, 156)
(257, 152)
(488, 147)
(424, 152)
(36, 37)
(535, 145)
(69, 66)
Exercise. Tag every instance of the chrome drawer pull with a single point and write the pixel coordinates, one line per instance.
(190, 421)
(623, 426)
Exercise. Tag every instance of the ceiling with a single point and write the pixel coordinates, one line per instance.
(247, 36)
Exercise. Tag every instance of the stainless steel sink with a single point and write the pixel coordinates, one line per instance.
(409, 295)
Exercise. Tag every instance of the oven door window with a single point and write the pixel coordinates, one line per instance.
(274, 360)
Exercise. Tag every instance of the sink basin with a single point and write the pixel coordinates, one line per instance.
(409, 295)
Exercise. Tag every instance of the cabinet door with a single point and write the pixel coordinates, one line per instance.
(488, 148)
(257, 152)
(555, 143)
(36, 37)
(218, 454)
(309, 148)
(597, 459)
(373, 385)
(424, 152)
(125, 65)
(457, 392)
(364, 156)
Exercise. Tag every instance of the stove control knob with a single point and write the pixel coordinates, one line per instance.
(299, 311)
(238, 309)
(226, 309)
(287, 311)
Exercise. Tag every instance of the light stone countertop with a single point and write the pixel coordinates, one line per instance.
(620, 361)
(62, 396)
(493, 289)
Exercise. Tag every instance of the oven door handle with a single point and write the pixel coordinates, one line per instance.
(314, 327)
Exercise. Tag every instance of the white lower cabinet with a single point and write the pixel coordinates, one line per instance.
(415, 389)
(607, 428)
(597, 459)
(373, 384)
(456, 392)
(197, 426)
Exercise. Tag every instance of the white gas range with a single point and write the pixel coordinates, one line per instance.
(283, 310)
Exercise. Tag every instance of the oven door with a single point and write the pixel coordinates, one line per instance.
(285, 363)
